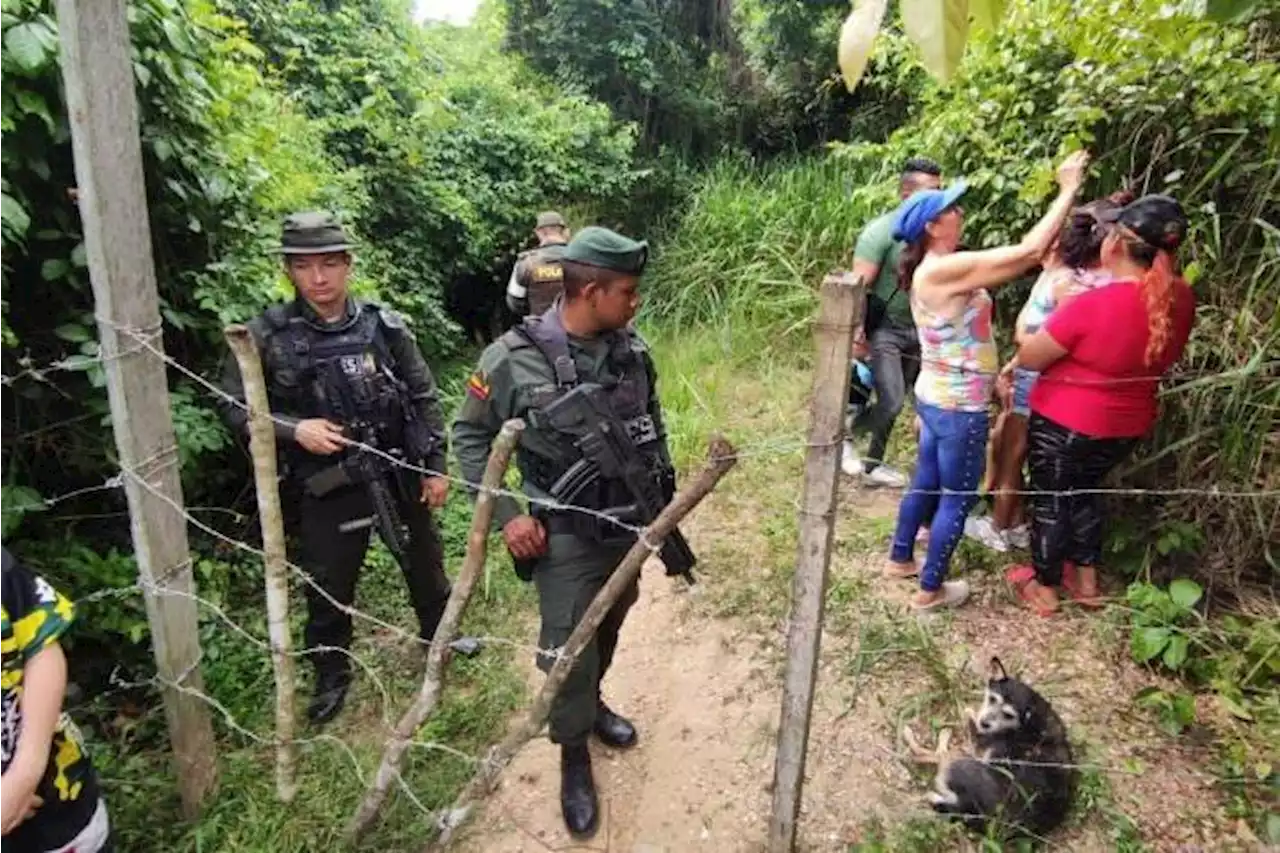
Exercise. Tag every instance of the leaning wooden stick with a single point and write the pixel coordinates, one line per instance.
(433, 682)
(262, 445)
(721, 458)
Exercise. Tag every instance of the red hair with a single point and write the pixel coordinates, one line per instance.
(1157, 288)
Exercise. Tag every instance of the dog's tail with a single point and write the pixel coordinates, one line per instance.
(919, 754)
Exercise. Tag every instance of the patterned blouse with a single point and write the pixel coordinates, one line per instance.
(958, 358)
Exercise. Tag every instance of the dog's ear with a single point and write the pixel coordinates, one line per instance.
(995, 670)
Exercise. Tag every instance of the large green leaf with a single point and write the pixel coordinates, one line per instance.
(987, 14)
(939, 28)
(14, 215)
(1148, 643)
(26, 46)
(1185, 593)
(857, 38)
(1175, 654)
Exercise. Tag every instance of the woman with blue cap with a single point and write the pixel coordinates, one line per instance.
(959, 364)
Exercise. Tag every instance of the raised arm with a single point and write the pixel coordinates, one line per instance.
(962, 272)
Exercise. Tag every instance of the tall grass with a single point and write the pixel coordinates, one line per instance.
(755, 240)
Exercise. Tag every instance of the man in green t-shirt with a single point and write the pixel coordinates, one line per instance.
(893, 344)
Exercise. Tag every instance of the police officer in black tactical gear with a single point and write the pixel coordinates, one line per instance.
(339, 370)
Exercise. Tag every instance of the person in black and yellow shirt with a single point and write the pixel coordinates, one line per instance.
(51, 802)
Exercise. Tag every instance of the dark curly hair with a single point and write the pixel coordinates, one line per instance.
(1080, 240)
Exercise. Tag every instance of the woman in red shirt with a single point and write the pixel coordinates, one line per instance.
(1102, 357)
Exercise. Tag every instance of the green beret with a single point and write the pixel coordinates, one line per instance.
(600, 247)
(313, 233)
(550, 219)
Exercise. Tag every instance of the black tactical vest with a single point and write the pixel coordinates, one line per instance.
(627, 383)
(300, 353)
(542, 276)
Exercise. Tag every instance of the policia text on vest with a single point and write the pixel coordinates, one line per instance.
(344, 370)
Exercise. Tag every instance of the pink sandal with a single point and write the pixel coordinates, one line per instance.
(1071, 583)
(1020, 577)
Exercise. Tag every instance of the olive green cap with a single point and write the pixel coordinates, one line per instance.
(550, 219)
(313, 233)
(600, 247)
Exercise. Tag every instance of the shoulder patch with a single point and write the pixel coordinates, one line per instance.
(478, 386)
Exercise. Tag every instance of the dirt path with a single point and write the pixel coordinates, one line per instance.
(705, 693)
(696, 780)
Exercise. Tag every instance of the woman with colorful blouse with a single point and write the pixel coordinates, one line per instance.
(959, 363)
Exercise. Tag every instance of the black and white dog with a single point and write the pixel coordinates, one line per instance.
(1020, 779)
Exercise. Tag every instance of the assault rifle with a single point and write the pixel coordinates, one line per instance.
(361, 407)
(609, 453)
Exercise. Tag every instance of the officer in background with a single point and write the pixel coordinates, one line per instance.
(537, 278)
(331, 362)
(570, 555)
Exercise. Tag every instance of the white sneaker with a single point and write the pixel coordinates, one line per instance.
(850, 461)
(984, 530)
(883, 475)
(1019, 537)
(954, 593)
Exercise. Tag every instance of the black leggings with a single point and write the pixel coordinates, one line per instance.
(1066, 525)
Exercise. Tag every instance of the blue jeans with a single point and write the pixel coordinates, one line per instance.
(953, 454)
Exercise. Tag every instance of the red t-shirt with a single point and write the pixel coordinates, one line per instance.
(1104, 332)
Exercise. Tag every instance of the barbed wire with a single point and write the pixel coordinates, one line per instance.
(137, 474)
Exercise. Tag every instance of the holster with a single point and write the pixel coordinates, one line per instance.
(328, 480)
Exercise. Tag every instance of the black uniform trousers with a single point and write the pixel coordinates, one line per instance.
(1067, 524)
(334, 559)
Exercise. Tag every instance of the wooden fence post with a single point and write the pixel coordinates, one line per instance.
(262, 446)
(721, 459)
(433, 681)
(103, 110)
(839, 314)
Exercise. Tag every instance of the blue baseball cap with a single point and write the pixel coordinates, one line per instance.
(922, 208)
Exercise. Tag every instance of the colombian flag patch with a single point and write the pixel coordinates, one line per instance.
(478, 386)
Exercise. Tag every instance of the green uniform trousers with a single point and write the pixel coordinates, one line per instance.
(567, 579)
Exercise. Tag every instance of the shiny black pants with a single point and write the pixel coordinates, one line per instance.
(1066, 518)
(334, 559)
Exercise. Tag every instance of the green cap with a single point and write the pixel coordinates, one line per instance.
(550, 219)
(313, 233)
(600, 247)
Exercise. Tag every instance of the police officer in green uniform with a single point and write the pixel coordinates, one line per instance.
(586, 337)
(537, 278)
(331, 361)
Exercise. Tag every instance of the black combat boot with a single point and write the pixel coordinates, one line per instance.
(578, 791)
(612, 729)
(330, 694)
